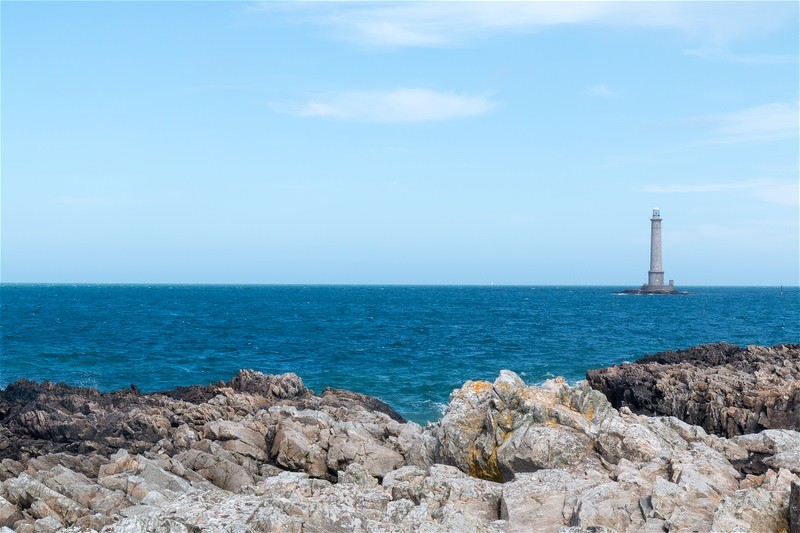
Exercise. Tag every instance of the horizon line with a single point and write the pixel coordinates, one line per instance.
(250, 284)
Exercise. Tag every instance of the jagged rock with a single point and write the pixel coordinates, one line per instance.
(790, 460)
(770, 441)
(540, 500)
(533, 447)
(9, 513)
(794, 508)
(220, 471)
(48, 524)
(302, 446)
(723, 388)
(355, 445)
(356, 474)
(611, 506)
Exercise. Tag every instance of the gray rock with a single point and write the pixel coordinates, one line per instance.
(358, 475)
(535, 447)
(221, 472)
(789, 459)
(48, 525)
(611, 506)
(9, 513)
(770, 441)
(538, 500)
(794, 508)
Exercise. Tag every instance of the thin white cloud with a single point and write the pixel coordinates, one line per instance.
(448, 23)
(398, 105)
(787, 193)
(764, 122)
(773, 191)
(718, 54)
(72, 200)
(700, 188)
(601, 90)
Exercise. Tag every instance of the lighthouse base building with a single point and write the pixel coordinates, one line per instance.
(655, 277)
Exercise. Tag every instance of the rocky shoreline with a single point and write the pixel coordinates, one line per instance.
(264, 453)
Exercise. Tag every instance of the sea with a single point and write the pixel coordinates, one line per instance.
(410, 346)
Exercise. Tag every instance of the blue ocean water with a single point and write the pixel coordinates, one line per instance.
(410, 346)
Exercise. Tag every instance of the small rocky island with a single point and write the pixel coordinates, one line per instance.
(264, 453)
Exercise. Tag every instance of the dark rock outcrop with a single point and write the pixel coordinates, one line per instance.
(725, 389)
(39, 418)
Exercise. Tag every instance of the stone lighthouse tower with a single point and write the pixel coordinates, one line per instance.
(655, 276)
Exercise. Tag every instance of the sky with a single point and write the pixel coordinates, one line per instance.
(398, 143)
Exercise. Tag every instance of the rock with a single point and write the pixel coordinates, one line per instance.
(702, 471)
(48, 525)
(539, 500)
(357, 475)
(750, 510)
(533, 447)
(769, 442)
(789, 459)
(608, 505)
(618, 438)
(75, 486)
(454, 490)
(228, 430)
(723, 388)
(794, 508)
(26, 492)
(353, 400)
(293, 450)
(460, 430)
(355, 446)
(278, 387)
(222, 472)
(9, 513)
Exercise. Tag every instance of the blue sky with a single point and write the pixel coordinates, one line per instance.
(475, 143)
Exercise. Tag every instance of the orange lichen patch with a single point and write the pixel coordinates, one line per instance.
(472, 388)
(479, 387)
(589, 414)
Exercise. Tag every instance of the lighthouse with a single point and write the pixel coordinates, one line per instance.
(655, 276)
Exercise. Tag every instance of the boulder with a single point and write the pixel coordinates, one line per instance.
(9, 513)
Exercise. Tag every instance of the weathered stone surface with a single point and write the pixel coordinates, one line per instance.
(544, 499)
(723, 388)
(794, 508)
(9, 513)
(221, 472)
(533, 447)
